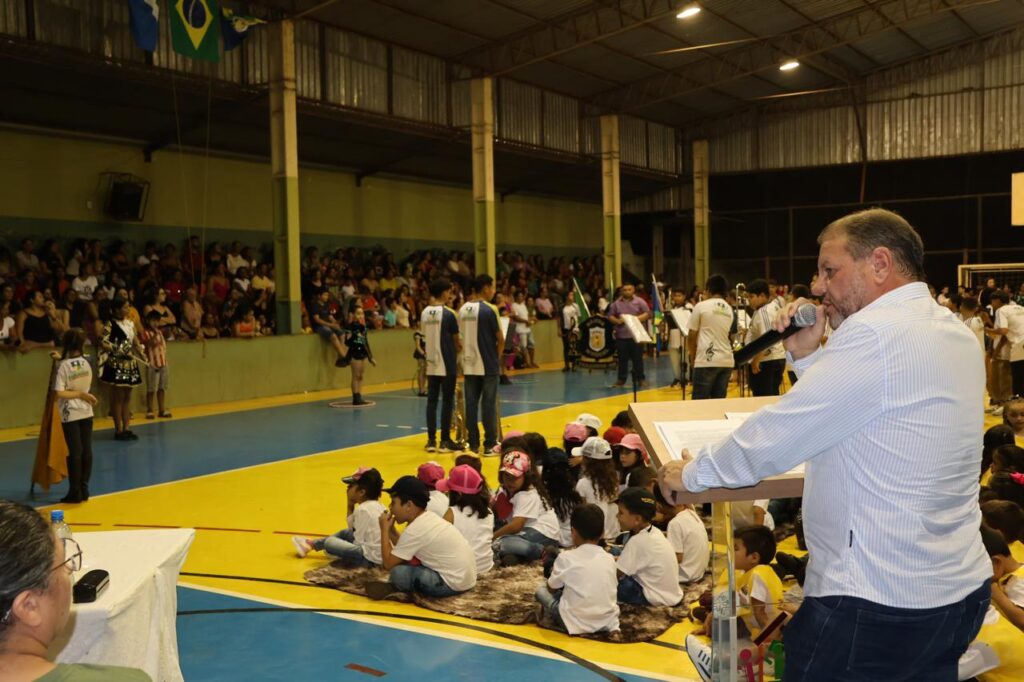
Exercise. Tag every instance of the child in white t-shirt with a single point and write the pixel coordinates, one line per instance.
(580, 592)
(430, 557)
(689, 540)
(599, 481)
(471, 511)
(647, 568)
(71, 384)
(357, 545)
(430, 473)
(533, 525)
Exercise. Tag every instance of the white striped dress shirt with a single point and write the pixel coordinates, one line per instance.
(888, 418)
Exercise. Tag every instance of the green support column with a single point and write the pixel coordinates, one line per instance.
(701, 217)
(482, 126)
(611, 202)
(284, 163)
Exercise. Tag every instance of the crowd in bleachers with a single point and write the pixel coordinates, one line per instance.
(211, 290)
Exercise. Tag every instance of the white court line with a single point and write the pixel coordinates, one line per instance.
(408, 627)
(383, 426)
(400, 426)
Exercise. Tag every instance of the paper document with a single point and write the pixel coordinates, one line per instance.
(636, 329)
(681, 316)
(737, 416)
(693, 435)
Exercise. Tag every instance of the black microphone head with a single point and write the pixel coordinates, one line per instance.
(806, 315)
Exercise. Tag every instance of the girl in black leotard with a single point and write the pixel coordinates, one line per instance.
(358, 352)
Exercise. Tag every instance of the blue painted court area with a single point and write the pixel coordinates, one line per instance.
(246, 640)
(176, 450)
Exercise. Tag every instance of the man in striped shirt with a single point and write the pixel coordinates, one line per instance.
(898, 581)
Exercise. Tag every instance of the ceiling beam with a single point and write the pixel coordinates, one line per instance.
(803, 43)
(565, 33)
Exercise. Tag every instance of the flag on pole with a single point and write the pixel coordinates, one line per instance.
(581, 303)
(145, 18)
(235, 27)
(195, 29)
(51, 463)
(656, 313)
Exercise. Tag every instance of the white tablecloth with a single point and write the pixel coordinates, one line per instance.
(133, 623)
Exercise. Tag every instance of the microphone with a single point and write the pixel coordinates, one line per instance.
(806, 316)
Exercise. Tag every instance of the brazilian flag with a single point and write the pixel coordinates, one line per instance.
(195, 29)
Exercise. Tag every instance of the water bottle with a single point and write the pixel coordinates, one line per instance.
(60, 527)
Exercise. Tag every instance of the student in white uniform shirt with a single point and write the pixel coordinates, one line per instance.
(688, 538)
(446, 565)
(471, 511)
(767, 367)
(533, 525)
(74, 405)
(599, 481)
(430, 473)
(580, 592)
(971, 316)
(677, 336)
(359, 544)
(708, 344)
(647, 568)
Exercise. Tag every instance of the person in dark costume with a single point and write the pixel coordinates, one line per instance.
(120, 352)
(358, 352)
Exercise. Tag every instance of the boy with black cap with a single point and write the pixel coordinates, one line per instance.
(579, 594)
(446, 564)
(359, 544)
(647, 568)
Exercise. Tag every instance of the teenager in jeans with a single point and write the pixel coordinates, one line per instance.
(708, 345)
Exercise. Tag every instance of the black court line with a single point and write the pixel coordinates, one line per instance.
(667, 645)
(571, 657)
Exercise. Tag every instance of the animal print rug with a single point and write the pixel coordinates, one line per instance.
(505, 595)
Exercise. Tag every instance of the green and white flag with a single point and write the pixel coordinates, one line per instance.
(195, 29)
(581, 302)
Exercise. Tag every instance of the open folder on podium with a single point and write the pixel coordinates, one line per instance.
(666, 428)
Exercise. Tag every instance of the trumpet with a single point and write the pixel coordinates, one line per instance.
(740, 293)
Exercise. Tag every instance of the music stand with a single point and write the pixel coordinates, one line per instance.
(636, 329)
(645, 416)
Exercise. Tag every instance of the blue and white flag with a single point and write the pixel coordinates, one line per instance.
(145, 23)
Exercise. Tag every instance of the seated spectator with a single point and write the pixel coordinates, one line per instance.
(390, 318)
(35, 601)
(262, 281)
(543, 305)
(158, 301)
(191, 314)
(38, 324)
(8, 330)
(327, 326)
(210, 328)
(245, 326)
(218, 285)
(86, 283)
(26, 258)
(242, 281)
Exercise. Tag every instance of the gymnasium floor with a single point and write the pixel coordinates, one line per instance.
(249, 475)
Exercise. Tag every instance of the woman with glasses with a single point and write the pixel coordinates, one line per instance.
(35, 601)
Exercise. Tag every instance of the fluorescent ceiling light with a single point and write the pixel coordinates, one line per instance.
(789, 66)
(689, 11)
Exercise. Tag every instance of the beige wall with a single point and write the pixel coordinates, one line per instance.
(53, 179)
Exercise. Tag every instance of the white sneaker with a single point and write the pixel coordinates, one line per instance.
(700, 656)
(301, 546)
(997, 410)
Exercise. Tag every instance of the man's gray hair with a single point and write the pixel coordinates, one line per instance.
(867, 230)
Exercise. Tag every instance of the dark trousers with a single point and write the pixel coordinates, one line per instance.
(769, 380)
(710, 382)
(629, 350)
(846, 639)
(1017, 373)
(481, 389)
(566, 346)
(78, 436)
(445, 388)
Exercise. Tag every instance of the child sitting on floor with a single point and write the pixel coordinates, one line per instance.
(1007, 518)
(1013, 416)
(689, 540)
(580, 592)
(444, 563)
(591, 421)
(599, 482)
(624, 421)
(758, 589)
(630, 455)
(533, 525)
(561, 492)
(997, 653)
(1000, 434)
(647, 568)
(430, 473)
(359, 544)
(470, 507)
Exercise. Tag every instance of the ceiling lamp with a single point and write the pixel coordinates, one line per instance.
(689, 11)
(789, 65)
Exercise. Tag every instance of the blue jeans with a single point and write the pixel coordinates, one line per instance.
(628, 351)
(631, 592)
(342, 545)
(529, 544)
(549, 602)
(482, 388)
(443, 388)
(710, 382)
(420, 579)
(846, 639)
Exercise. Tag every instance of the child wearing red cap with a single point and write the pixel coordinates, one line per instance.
(534, 525)
(359, 544)
(470, 508)
(430, 473)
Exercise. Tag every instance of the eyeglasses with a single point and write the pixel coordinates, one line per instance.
(73, 556)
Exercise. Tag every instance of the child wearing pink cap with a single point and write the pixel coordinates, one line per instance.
(534, 525)
(470, 507)
(630, 455)
(430, 473)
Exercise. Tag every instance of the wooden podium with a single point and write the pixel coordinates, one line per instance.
(644, 415)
